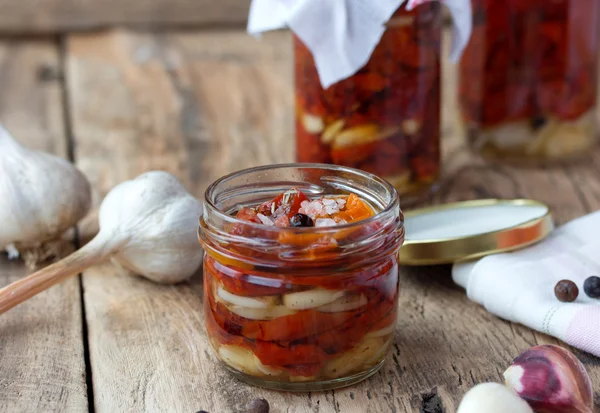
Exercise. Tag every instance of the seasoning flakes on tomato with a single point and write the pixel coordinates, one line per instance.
(294, 209)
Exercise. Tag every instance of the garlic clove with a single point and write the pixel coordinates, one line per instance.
(345, 303)
(552, 380)
(305, 300)
(354, 358)
(41, 197)
(492, 398)
(267, 370)
(239, 358)
(250, 302)
(261, 313)
(382, 332)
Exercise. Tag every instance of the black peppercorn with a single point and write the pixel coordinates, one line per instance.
(566, 291)
(301, 220)
(591, 287)
(537, 122)
(257, 406)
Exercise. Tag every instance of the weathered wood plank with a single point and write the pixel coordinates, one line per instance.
(42, 365)
(52, 16)
(200, 105)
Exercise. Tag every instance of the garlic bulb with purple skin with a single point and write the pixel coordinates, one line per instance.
(552, 380)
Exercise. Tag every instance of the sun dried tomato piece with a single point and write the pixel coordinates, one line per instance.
(248, 214)
(248, 283)
(273, 354)
(289, 201)
(293, 327)
(356, 209)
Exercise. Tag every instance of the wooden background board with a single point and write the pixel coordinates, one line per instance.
(53, 16)
(42, 364)
(200, 105)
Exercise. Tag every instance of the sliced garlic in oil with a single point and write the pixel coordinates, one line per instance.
(250, 302)
(345, 303)
(314, 298)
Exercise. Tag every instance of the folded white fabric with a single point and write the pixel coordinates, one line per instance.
(342, 34)
(519, 286)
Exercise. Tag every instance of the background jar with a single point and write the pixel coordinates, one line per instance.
(300, 308)
(528, 79)
(384, 119)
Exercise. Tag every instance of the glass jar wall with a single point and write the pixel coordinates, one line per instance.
(528, 79)
(385, 119)
(300, 308)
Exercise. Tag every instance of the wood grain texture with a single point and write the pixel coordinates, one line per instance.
(52, 16)
(200, 105)
(42, 364)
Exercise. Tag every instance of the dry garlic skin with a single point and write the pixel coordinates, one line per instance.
(287, 315)
(41, 195)
(551, 379)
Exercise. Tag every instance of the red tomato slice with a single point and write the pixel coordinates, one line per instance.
(248, 284)
(273, 354)
(294, 199)
(293, 327)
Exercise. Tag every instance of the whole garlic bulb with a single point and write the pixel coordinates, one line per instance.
(152, 221)
(148, 225)
(41, 196)
(492, 398)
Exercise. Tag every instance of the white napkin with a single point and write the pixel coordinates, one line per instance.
(342, 34)
(519, 286)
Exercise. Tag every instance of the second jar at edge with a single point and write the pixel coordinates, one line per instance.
(528, 79)
(385, 119)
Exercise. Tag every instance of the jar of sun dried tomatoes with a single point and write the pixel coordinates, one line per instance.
(301, 274)
(528, 79)
(385, 119)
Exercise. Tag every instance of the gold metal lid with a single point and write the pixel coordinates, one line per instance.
(466, 230)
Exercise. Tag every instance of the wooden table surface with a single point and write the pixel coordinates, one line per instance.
(201, 104)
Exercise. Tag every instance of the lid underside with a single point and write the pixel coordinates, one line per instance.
(466, 230)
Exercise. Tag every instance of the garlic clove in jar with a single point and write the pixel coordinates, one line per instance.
(305, 300)
(267, 370)
(492, 398)
(153, 220)
(270, 313)
(249, 302)
(239, 358)
(354, 358)
(41, 197)
(552, 380)
(345, 303)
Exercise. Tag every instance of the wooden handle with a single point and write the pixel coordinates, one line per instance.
(22, 290)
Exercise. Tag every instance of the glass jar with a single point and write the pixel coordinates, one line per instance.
(528, 79)
(385, 119)
(303, 309)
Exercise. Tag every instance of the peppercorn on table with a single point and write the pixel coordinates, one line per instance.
(199, 105)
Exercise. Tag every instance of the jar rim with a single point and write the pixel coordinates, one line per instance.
(386, 210)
